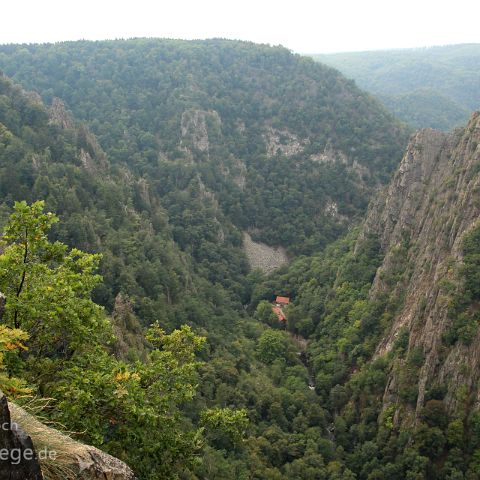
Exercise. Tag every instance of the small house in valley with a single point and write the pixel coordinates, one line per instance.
(279, 313)
(282, 301)
(278, 306)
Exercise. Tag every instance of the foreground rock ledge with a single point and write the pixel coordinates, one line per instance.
(69, 459)
(18, 460)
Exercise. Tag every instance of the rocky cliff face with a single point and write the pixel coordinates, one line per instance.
(18, 458)
(432, 202)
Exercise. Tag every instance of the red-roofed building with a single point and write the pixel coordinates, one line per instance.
(277, 307)
(282, 301)
(279, 313)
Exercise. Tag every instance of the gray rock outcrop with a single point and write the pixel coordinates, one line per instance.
(59, 116)
(18, 459)
(421, 219)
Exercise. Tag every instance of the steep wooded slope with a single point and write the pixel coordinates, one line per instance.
(391, 310)
(392, 315)
(289, 148)
(45, 154)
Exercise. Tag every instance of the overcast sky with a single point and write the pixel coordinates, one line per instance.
(305, 26)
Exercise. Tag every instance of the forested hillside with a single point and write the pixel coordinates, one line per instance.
(435, 87)
(289, 148)
(132, 306)
(125, 392)
(392, 315)
(164, 204)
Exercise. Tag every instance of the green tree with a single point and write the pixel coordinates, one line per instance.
(226, 427)
(133, 410)
(265, 314)
(47, 287)
(272, 344)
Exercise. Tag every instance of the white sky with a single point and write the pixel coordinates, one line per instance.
(305, 26)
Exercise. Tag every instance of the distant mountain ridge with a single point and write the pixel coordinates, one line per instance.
(435, 87)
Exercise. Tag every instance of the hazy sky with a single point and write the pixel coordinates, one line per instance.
(305, 26)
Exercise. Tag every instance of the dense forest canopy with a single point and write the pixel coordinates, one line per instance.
(128, 382)
(269, 133)
(156, 155)
(435, 87)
